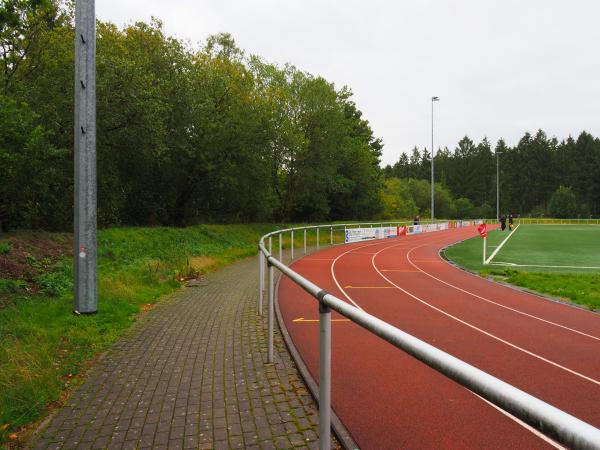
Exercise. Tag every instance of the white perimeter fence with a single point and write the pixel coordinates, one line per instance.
(550, 221)
(551, 421)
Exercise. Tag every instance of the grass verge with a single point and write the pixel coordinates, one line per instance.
(45, 348)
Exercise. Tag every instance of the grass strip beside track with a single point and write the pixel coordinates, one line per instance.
(46, 350)
(531, 257)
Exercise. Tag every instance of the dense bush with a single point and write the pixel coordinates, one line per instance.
(563, 203)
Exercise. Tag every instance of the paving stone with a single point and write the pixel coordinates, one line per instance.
(191, 373)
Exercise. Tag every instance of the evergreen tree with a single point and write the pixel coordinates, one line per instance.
(563, 203)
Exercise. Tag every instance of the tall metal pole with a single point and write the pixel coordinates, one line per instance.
(432, 178)
(85, 299)
(497, 186)
(433, 99)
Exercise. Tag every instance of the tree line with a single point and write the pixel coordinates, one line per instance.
(212, 134)
(184, 134)
(531, 174)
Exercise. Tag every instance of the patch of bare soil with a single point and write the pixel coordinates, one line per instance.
(31, 254)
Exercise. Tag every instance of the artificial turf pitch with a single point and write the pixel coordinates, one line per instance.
(528, 257)
(535, 248)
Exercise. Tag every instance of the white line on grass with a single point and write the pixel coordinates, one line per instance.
(501, 244)
(502, 263)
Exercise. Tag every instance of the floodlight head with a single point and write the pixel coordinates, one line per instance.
(435, 99)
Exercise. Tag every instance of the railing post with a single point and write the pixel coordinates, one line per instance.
(324, 376)
(280, 248)
(266, 260)
(331, 233)
(292, 244)
(305, 241)
(261, 280)
(317, 238)
(270, 319)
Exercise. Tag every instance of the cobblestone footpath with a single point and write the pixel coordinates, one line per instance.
(192, 374)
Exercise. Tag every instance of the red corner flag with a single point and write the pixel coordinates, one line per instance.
(482, 230)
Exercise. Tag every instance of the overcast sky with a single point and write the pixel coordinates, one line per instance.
(500, 68)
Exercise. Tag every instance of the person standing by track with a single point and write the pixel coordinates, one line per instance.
(503, 222)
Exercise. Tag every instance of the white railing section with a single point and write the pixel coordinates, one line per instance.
(551, 221)
(551, 421)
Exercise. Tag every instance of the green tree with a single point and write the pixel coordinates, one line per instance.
(420, 191)
(397, 200)
(33, 190)
(23, 24)
(444, 204)
(563, 203)
(464, 208)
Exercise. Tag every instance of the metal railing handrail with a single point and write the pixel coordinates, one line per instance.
(329, 225)
(548, 419)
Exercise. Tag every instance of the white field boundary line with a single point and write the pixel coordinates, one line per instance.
(502, 263)
(480, 330)
(549, 322)
(502, 244)
(507, 414)
(509, 286)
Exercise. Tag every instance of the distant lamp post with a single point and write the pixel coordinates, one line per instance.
(498, 153)
(433, 99)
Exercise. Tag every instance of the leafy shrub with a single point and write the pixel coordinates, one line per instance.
(563, 203)
(5, 248)
(59, 281)
(11, 286)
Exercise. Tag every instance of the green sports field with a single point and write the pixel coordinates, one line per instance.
(559, 260)
(538, 248)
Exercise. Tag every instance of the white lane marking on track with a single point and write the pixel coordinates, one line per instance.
(335, 279)
(499, 339)
(353, 250)
(510, 416)
(412, 263)
(502, 244)
(523, 424)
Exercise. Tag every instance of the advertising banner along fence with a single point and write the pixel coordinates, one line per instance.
(364, 234)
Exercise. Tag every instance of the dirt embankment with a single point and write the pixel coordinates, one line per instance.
(26, 256)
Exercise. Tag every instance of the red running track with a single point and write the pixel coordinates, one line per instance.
(389, 400)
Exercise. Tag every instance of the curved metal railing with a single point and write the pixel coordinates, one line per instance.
(549, 420)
